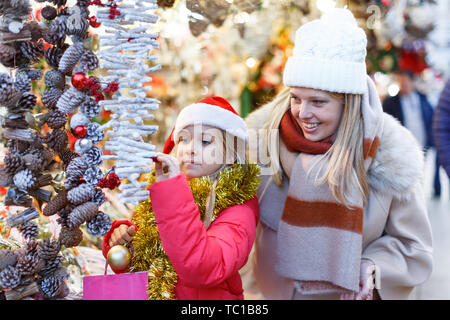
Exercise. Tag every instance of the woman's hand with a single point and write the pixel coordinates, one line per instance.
(166, 167)
(366, 283)
(121, 235)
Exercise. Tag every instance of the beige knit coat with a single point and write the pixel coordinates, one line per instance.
(396, 230)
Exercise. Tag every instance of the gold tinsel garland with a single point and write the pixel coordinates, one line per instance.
(235, 185)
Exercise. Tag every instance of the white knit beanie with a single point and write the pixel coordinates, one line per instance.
(329, 54)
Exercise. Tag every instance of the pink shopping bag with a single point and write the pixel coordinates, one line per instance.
(123, 286)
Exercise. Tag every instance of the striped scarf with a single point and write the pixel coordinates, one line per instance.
(319, 239)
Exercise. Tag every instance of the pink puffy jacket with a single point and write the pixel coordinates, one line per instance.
(206, 261)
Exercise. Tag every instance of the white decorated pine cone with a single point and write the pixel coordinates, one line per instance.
(24, 179)
(81, 194)
(71, 57)
(95, 133)
(99, 225)
(90, 108)
(70, 99)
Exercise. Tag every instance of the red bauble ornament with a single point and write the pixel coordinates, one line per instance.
(80, 131)
(80, 81)
(93, 22)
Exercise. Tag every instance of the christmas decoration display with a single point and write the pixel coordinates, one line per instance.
(235, 185)
(33, 153)
(125, 50)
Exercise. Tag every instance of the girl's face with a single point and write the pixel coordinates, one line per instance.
(317, 112)
(199, 150)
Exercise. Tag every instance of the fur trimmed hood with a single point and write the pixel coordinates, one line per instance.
(398, 163)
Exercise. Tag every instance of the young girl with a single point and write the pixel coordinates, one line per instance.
(343, 204)
(197, 229)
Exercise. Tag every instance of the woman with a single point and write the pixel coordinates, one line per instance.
(341, 202)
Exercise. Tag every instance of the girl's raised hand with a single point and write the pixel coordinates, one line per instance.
(166, 167)
(122, 235)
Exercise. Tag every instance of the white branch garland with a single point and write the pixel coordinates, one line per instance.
(130, 33)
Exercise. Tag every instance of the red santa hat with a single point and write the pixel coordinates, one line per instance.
(213, 111)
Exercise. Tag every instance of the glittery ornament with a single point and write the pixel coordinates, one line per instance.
(111, 182)
(83, 146)
(80, 131)
(119, 259)
(93, 22)
(79, 80)
(79, 119)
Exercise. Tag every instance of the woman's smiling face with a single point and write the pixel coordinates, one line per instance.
(317, 112)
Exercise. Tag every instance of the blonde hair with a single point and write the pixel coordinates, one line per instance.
(345, 170)
(235, 151)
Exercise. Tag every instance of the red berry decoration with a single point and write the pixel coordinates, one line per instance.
(112, 181)
(112, 87)
(80, 131)
(93, 22)
(96, 2)
(80, 81)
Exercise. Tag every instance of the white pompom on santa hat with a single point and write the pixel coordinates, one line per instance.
(213, 111)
